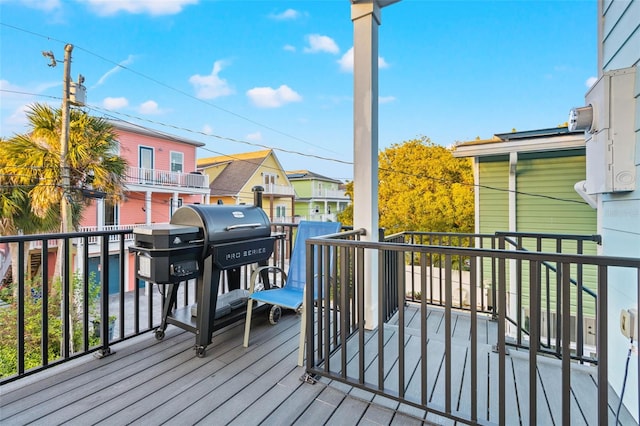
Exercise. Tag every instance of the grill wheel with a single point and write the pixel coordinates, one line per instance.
(274, 314)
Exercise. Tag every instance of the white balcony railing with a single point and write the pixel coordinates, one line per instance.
(140, 176)
(273, 189)
(329, 193)
(112, 238)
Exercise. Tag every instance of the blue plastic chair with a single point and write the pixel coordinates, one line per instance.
(291, 294)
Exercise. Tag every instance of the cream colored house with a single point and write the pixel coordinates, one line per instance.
(233, 177)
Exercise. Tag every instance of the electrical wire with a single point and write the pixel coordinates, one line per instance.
(624, 381)
(167, 86)
(96, 108)
(226, 138)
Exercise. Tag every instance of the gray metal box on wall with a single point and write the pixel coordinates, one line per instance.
(611, 139)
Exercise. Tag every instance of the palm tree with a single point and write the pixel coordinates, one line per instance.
(30, 177)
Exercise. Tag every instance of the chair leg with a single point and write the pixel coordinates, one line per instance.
(303, 331)
(247, 323)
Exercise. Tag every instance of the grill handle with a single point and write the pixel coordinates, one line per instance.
(242, 226)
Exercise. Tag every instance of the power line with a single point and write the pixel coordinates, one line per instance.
(226, 138)
(179, 91)
(96, 108)
(420, 176)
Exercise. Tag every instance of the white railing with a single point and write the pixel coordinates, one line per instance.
(329, 193)
(37, 245)
(279, 189)
(112, 238)
(140, 176)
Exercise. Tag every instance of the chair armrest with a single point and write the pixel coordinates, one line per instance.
(256, 273)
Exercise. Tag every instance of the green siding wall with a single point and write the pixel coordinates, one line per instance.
(303, 187)
(494, 204)
(561, 211)
(555, 178)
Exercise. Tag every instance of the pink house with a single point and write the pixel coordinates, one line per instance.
(161, 177)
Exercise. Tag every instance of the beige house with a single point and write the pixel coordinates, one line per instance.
(232, 179)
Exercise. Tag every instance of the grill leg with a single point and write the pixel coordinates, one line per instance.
(208, 285)
(169, 304)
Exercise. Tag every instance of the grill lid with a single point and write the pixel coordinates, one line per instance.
(224, 223)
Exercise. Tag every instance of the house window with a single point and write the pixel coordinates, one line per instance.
(146, 164)
(281, 211)
(111, 214)
(269, 180)
(177, 161)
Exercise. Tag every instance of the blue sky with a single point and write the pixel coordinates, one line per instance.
(242, 75)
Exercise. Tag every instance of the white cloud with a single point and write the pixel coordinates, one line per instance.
(17, 100)
(207, 129)
(267, 97)
(151, 7)
(289, 48)
(150, 108)
(113, 70)
(256, 136)
(289, 14)
(115, 103)
(19, 116)
(320, 43)
(590, 81)
(6, 85)
(386, 99)
(346, 61)
(211, 86)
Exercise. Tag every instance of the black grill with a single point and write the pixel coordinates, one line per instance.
(201, 242)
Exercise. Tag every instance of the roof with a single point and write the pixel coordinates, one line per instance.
(237, 172)
(527, 134)
(551, 139)
(212, 161)
(307, 175)
(134, 128)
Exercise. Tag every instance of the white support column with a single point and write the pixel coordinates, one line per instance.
(100, 214)
(513, 227)
(174, 202)
(147, 207)
(365, 15)
(513, 187)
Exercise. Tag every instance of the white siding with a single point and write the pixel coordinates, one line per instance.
(621, 34)
(619, 28)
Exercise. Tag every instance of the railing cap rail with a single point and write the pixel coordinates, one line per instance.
(482, 252)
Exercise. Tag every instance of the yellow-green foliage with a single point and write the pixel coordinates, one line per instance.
(422, 187)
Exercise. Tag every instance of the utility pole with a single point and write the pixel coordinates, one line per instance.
(65, 206)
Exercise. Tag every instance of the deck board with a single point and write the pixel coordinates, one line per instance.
(149, 382)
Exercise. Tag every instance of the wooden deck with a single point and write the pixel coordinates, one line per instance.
(584, 384)
(151, 382)
(148, 382)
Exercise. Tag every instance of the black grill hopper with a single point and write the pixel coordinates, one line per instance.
(220, 238)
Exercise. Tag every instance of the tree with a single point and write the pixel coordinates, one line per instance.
(346, 216)
(31, 173)
(30, 178)
(422, 187)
